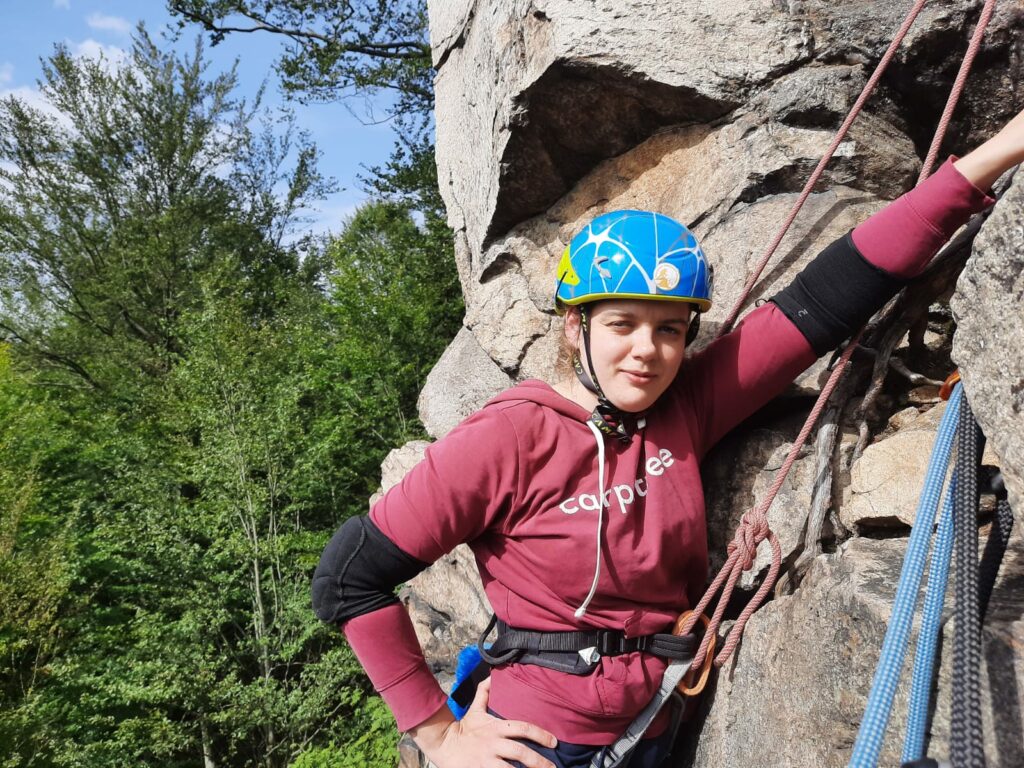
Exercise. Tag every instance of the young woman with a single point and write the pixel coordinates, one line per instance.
(582, 501)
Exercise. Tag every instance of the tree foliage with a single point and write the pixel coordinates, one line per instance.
(191, 401)
(335, 50)
(140, 178)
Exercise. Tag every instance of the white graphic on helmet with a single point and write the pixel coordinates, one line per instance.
(597, 239)
(665, 276)
(694, 250)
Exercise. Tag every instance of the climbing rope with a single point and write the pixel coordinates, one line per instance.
(923, 678)
(958, 86)
(966, 739)
(753, 528)
(883, 688)
(974, 585)
(995, 548)
(957, 529)
(855, 110)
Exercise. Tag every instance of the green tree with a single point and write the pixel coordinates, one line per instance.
(394, 290)
(374, 48)
(37, 563)
(190, 406)
(144, 177)
(147, 512)
(364, 46)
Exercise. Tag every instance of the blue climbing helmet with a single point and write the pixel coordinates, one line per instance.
(629, 255)
(633, 255)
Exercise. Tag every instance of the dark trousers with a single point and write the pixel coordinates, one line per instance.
(649, 753)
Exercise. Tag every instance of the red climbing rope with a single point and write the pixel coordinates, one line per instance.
(958, 87)
(753, 527)
(752, 530)
(869, 88)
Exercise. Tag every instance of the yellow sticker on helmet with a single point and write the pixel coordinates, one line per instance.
(566, 274)
(666, 276)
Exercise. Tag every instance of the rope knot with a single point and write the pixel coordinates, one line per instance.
(751, 531)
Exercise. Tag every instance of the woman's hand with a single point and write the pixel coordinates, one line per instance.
(480, 740)
(996, 156)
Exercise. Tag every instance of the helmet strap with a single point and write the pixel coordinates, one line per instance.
(694, 327)
(606, 416)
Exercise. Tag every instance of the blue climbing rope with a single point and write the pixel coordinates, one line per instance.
(868, 745)
(928, 636)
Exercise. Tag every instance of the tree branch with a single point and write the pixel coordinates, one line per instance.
(53, 357)
(414, 49)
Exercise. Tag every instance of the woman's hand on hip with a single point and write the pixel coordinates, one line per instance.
(480, 740)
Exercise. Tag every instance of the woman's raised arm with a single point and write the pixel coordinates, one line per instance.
(992, 159)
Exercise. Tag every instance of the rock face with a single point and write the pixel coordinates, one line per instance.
(796, 692)
(987, 346)
(461, 381)
(535, 93)
(551, 112)
(885, 483)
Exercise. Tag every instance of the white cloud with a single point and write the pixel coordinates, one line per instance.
(6, 73)
(65, 4)
(111, 55)
(33, 97)
(102, 21)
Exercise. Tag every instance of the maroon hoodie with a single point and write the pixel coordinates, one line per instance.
(573, 530)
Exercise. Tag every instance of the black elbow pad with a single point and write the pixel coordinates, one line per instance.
(835, 295)
(358, 572)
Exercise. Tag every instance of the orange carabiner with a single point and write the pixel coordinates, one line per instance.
(693, 681)
(947, 386)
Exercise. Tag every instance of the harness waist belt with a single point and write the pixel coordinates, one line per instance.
(514, 645)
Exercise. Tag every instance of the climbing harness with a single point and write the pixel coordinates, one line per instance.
(572, 652)
(957, 527)
(575, 652)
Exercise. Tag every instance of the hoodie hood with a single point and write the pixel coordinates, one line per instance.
(542, 393)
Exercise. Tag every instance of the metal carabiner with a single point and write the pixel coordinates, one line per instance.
(947, 386)
(694, 680)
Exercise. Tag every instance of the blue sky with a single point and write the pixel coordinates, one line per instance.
(30, 28)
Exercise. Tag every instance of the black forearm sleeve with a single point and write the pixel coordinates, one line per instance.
(358, 572)
(835, 295)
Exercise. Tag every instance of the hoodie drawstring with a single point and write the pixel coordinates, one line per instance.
(581, 611)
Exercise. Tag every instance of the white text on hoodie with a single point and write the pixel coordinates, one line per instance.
(624, 493)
